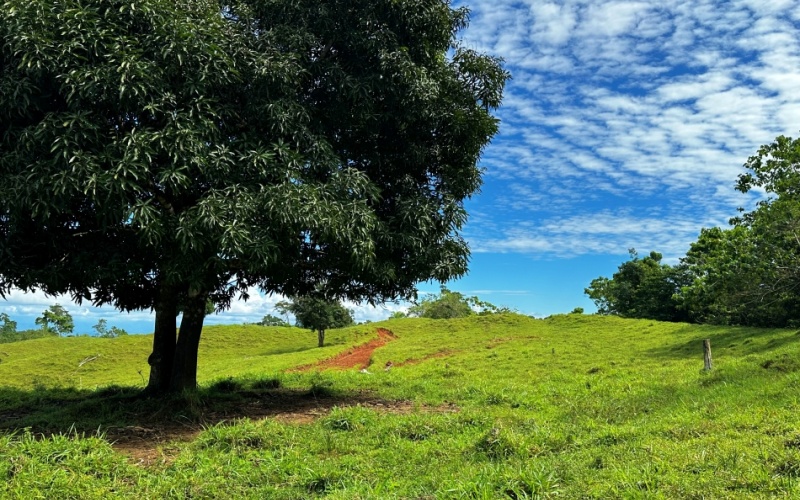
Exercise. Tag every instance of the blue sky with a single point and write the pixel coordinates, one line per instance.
(625, 125)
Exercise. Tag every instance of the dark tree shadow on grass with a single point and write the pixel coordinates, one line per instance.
(138, 425)
(738, 341)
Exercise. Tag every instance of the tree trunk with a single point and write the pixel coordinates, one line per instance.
(184, 368)
(320, 338)
(163, 354)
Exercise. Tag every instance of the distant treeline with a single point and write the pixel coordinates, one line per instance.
(54, 322)
(16, 336)
(748, 274)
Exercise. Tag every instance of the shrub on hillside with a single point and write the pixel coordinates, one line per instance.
(270, 320)
(448, 304)
(104, 331)
(25, 335)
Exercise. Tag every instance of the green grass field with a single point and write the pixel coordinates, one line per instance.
(501, 406)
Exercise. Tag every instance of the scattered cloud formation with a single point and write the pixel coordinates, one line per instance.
(619, 107)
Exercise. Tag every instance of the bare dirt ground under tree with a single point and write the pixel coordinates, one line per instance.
(158, 441)
(153, 442)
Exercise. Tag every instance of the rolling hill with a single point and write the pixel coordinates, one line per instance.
(497, 406)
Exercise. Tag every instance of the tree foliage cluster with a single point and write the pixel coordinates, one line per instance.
(161, 154)
(272, 320)
(747, 274)
(448, 304)
(641, 288)
(56, 319)
(317, 314)
(9, 332)
(102, 330)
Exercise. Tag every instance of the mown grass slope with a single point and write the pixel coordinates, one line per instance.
(503, 406)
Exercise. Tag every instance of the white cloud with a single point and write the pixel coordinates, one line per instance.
(611, 19)
(686, 89)
(615, 105)
(552, 23)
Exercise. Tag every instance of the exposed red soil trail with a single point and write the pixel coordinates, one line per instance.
(355, 357)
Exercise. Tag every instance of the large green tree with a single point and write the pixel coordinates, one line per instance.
(160, 153)
(641, 288)
(444, 305)
(8, 327)
(750, 274)
(716, 262)
(270, 320)
(773, 233)
(734, 281)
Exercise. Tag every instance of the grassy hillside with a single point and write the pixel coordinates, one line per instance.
(499, 406)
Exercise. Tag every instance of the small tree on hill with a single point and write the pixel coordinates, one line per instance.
(446, 305)
(56, 319)
(104, 331)
(317, 314)
(8, 327)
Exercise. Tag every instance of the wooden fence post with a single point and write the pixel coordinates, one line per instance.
(707, 354)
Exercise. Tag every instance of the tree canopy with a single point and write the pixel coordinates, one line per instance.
(317, 313)
(8, 327)
(445, 305)
(448, 304)
(102, 330)
(748, 274)
(641, 288)
(270, 320)
(164, 153)
(56, 319)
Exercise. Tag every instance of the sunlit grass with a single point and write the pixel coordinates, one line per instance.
(501, 407)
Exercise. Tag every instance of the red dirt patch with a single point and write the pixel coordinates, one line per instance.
(355, 357)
